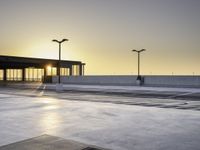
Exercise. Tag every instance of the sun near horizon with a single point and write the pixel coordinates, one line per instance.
(103, 33)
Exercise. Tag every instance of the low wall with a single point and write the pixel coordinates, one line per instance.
(176, 81)
(98, 80)
(168, 81)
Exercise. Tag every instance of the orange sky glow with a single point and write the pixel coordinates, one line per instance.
(103, 33)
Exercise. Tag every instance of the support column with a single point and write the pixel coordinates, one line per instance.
(45, 74)
(58, 71)
(80, 70)
(70, 70)
(23, 74)
(4, 75)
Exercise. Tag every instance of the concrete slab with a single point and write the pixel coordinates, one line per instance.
(110, 121)
(48, 142)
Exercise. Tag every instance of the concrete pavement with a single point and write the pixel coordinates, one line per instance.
(108, 88)
(110, 121)
(48, 142)
(131, 91)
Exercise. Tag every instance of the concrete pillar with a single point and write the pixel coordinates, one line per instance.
(45, 74)
(23, 74)
(4, 75)
(58, 71)
(70, 70)
(80, 70)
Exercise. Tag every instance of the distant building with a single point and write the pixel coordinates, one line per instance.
(36, 69)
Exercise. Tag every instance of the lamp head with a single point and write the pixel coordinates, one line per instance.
(135, 50)
(63, 40)
(139, 50)
(142, 50)
(55, 41)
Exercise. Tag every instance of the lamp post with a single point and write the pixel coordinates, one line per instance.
(59, 42)
(138, 52)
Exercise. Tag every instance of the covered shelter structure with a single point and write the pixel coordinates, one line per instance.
(14, 68)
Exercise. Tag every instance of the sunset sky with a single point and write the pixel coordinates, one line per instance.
(102, 33)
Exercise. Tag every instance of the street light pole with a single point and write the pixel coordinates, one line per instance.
(138, 52)
(59, 42)
(138, 63)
